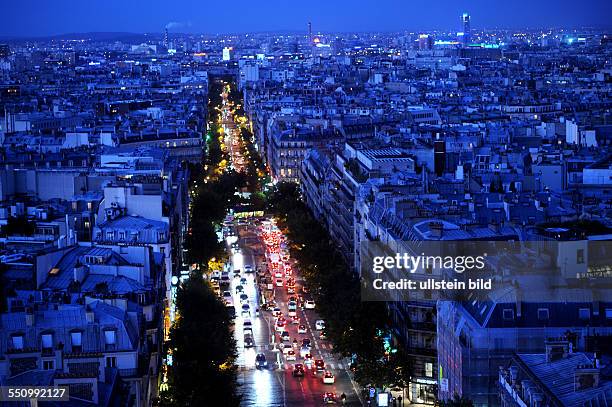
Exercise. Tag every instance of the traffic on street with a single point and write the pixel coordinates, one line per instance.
(283, 356)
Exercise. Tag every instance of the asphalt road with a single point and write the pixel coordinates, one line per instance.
(275, 385)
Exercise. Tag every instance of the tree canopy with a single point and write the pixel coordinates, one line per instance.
(357, 329)
(203, 349)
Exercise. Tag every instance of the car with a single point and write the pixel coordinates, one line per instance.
(280, 326)
(247, 324)
(243, 281)
(260, 361)
(292, 313)
(304, 350)
(292, 305)
(328, 377)
(319, 364)
(290, 290)
(322, 335)
(306, 342)
(225, 280)
(248, 341)
(248, 268)
(298, 370)
(308, 362)
(217, 290)
(285, 336)
(286, 348)
(278, 274)
(279, 282)
(237, 272)
(239, 289)
(227, 294)
(291, 355)
(244, 299)
(246, 310)
(319, 325)
(276, 311)
(301, 329)
(295, 320)
(329, 398)
(309, 304)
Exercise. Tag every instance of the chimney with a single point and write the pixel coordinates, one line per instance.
(557, 348)
(586, 377)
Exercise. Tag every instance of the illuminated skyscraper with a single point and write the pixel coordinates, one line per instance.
(465, 21)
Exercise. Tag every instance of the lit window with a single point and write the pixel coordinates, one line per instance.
(428, 369)
(109, 337)
(75, 338)
(18, 342)
(47, 341)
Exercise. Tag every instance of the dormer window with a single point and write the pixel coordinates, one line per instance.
(75, 341)
(110, 338)
(18, 342)
(47, 341)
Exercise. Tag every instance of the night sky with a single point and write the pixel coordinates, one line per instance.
(31, 18)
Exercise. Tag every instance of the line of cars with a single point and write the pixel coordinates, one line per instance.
(280, 268)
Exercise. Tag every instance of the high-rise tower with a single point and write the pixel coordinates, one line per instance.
(465, 21)
(310, 33)
(310, 42)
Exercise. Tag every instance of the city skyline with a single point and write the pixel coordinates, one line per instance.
(360, 204)
(188, 17)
